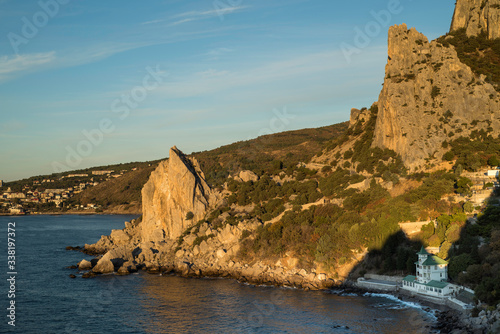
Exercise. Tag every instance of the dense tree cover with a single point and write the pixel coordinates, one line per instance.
(328, 233)
(472, 153)
(475, 263)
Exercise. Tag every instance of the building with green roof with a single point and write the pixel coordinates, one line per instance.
(431, 278)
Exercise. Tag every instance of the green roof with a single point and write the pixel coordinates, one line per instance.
(436, 284)
(410, 278)
(422, 251)
(433, 260)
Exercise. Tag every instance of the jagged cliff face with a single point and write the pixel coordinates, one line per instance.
(477, 16)
(429, 97)
(175, 188)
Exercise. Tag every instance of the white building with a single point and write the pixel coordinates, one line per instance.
(432, 276)
(493, 172)
(102, 172)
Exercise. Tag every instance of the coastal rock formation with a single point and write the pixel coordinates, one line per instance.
(429, 96)
(177, 187)
(477, 16)
(167, 239)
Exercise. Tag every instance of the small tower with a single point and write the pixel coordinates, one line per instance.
(430, 267)
(422, 256)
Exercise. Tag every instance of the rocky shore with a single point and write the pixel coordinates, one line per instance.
(448, 320)
(119, 254)
(212, 257)
(480, 320)
(174, 236)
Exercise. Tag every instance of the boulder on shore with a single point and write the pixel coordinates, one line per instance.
(84, 265)
(104, 266)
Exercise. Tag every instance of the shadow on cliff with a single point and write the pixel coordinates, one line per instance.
(395, 257)
(473, 256)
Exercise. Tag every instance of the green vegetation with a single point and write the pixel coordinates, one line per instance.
(474, 152)
(269, 154)
(125, 190)
(481, 54)
(330, 234)
(475, 264)
(435, 91)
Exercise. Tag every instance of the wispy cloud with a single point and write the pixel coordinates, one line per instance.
(197, 15)
(176, 23)
(211, 80)
(218, 52)
(19, 64)
(210, 13)
(99, 51)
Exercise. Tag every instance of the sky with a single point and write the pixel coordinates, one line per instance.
(92, 83)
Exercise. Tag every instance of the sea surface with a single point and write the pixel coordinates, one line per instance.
(47, 300)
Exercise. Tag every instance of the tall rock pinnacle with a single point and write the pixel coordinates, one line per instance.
(175, 188)
(429, 97)
(477, 16)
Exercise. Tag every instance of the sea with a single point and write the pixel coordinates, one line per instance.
(37, 294)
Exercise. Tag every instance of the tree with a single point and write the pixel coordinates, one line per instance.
(463, 186)
(189, 215)
(459, 264)
(445, 248)
(448, 156)
(468, 207)
(493, 161)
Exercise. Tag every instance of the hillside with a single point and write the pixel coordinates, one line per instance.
(315, 207)
(117, 195)
(123, 194)
(263, 154)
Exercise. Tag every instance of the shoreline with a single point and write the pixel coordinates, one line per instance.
(442, 318)
(447, 319)
(439, 317)
(57, 213)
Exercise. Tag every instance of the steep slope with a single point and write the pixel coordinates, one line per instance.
(429, 97)
(174, 190)
(308, 224)
(118, 195)
(477, 16)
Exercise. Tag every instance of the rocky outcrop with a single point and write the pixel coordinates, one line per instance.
(177, 187)
(165, 240)
(84, 265)
(247, 175)
(358, 115)
(477, 16)
(202, 251)
(429, 97)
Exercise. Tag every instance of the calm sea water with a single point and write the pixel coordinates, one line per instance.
(47, 300)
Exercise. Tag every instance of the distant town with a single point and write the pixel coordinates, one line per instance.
(46, 194)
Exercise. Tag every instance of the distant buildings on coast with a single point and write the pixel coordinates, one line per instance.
(42, 191)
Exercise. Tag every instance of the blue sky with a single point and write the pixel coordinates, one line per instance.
(140, 77)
